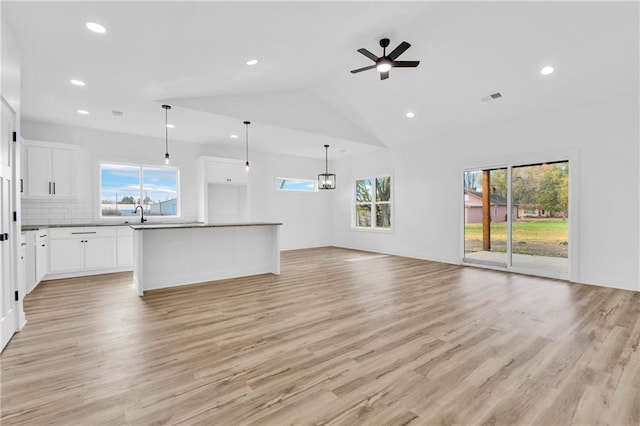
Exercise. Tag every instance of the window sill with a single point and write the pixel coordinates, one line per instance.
(373, 230)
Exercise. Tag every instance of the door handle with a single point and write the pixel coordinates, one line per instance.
(49, 188)
(54, 188)
(21, 185)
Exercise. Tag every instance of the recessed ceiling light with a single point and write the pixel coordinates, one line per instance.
(234, 136)
(83, 112)
(77, 82)
(252, 61)
(410, 114)
(96, 28)
(171, 126)
(546, 70)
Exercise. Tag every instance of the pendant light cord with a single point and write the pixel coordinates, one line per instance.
(166, 132)
(246, 123)
(326, 159)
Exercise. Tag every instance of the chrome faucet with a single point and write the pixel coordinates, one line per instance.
(142, 219)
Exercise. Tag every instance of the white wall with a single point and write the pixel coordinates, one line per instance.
(427, 185)
(10, 66)
(305, 216)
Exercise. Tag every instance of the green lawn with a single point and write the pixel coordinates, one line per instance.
(537, 230)
(543, 237)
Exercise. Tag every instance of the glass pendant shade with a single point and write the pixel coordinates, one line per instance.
(326, 180)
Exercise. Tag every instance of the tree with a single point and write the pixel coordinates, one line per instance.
(554, 189)
(498, 179)
(127, 200)
(471, 179)
(543, 186)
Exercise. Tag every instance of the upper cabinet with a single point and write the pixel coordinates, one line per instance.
(231, 172)
(51, 170)
(223, 190)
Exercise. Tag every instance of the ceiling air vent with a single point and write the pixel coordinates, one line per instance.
(491, 97)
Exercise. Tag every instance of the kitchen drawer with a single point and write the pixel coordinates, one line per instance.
(98, 231)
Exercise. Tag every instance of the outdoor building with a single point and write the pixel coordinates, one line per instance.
(473, 207)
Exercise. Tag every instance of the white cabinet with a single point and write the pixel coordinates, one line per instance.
(125, 246)
(42, 254)
(82, 249)
(223, 190)
(99, 253)
(51, 170)
(30, 260)
(67, 255)
(231, 173)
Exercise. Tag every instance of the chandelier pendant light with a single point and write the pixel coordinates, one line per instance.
(326, 180)
(166, 134)
(246, 164)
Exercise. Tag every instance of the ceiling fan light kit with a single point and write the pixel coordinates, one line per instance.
(385, 62)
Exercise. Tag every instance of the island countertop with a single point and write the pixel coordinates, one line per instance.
(200, 225)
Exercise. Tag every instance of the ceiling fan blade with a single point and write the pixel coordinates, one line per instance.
(405, 64)
(363, 69)
(399, 50)
(368, 54)
(384, 75)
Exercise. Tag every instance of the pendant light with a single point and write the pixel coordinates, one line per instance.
(326, 180)
(166, 134)
(246, 165)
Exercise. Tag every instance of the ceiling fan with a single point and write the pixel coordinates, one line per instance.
(385, 62)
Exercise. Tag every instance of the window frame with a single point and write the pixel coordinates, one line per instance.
(314, 181)
(374, 204)
(141, 166)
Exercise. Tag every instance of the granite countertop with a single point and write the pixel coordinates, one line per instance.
(200, 225)
(27, 228)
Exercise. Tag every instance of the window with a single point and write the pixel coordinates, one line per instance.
(373, 203)
(302, 185)
(123, 187)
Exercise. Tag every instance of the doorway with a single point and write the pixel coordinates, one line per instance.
(517, 217)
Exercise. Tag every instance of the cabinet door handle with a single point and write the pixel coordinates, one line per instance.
(49, 188)
(82, 233)
(21, 185)
(42, 236)
(54, 188)
(43, 245)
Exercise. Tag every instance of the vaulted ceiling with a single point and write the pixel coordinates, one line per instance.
(301, 95)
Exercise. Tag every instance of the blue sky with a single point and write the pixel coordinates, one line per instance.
(296, 184)
(159, 183)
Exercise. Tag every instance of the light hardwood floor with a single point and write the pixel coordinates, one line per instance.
(341, 337)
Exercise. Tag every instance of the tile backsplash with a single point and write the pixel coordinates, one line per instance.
(45, 212)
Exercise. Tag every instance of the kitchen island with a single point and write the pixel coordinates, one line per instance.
(169, 255)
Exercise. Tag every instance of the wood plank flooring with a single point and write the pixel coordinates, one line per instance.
(341, 337)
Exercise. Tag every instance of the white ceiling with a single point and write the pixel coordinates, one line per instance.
(301, 95)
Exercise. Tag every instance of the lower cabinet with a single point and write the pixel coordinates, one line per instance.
(42, 254)
(82, 249)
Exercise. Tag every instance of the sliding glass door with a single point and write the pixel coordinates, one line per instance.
(540, 229)
(517, 217)
(485, 216)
